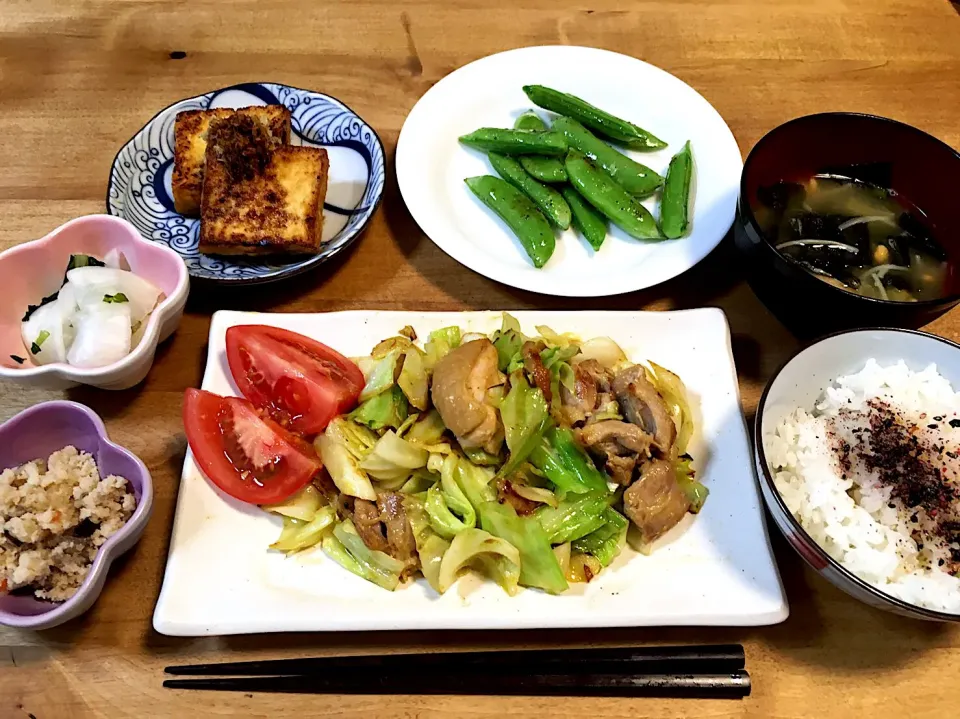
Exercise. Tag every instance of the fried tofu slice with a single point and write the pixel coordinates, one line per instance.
(190, 147)
(260, 198)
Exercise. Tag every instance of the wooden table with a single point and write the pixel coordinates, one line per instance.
(78, 78)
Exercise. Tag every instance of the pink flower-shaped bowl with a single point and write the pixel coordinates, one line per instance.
(36, 433)
(33, 270)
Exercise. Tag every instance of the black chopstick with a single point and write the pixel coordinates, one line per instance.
(715, 659)
(731, 685)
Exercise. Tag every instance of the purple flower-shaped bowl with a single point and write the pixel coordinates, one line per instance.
(36, 433)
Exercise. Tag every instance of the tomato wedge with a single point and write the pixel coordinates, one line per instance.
(249, 457)
(302, 383)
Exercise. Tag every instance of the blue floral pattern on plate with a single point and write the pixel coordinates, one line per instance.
(139, 188)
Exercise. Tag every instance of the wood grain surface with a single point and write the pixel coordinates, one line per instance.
(78, 78)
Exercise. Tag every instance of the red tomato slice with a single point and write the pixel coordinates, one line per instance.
(302, 383)
(249, 457)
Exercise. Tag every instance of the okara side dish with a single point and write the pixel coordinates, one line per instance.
(55, 514)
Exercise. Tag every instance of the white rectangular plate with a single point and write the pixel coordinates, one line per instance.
(715, 568)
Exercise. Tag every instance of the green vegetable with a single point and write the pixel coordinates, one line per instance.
(298, 535)
(517, 142)
(620, 207)
(696, 491)
(393, 458)
(427, 429)
(442, 520)
(439, 344)
(574, 518)
(606, 542)
(381, 375)
(674, 393)
(525, 417)
(18, 359)
(519, 213)
(538, 564)
(509, 343)
(586, 220)
(479, 457)
(635, 178)
(606, 124)
(377, 567)
(84, 261)
(342, 446)
(413, 378)
(115, 299)
(447, 498)
(550, 202)
(556, 361)
(430, 546)
(346, 548)
(491, 555)
(509, 323)
(563, 462)
(302, 506)
(37, 343)
(420, 482)
(544, 169)
(530, 121)
(431, 552)
(472, 480)
(454, 494)
(553, 338)
(388, 409)
(555, 356)
(675, 201)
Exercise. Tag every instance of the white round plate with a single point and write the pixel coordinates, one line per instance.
(432, 164)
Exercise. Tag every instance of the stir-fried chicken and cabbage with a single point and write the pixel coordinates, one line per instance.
(523, 458)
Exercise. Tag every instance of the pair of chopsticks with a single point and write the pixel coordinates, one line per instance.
(685, 671)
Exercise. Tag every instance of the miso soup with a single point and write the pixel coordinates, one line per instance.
(856, 236)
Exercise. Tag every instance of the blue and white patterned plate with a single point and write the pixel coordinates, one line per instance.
(140, 190)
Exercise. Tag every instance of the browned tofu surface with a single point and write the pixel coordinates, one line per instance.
(260, 198)
(190, 145)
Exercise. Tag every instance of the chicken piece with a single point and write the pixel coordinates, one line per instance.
(629, 437)
(620, 444)
(577, 405)
(655, 502)
(620, 468)
(400, 539)
(461, 383)
(366, 519)
(601, 376)
(643, 406)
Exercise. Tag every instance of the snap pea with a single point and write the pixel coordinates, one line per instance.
(545, 169)
(516, 142)
(588, 222)
(675, 201)
(530, 121)
(550, 202)
(620, 207)
(615, 128)
(635, 178)
(520, 214)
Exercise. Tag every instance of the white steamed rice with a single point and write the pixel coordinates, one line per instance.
(854, 519)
